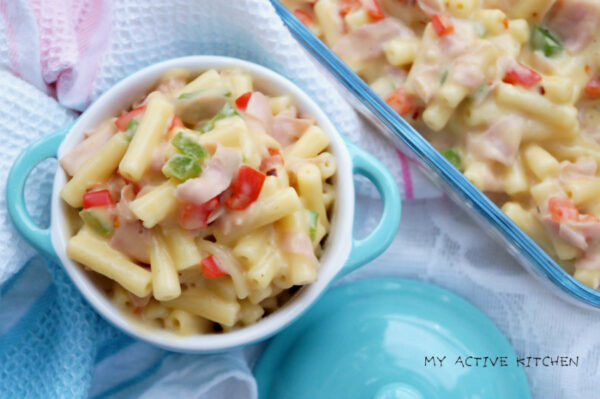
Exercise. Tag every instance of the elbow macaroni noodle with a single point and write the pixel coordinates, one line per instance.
(508, 91)
(210, 205)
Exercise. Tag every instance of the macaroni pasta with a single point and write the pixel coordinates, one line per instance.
(508, 91)
(205, 205)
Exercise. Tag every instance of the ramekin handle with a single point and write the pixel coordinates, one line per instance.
(367, 249)
(45, 147)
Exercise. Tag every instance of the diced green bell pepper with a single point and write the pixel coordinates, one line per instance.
(541, 39)
(98, 219)
(189, 146)
(226, 112)
(453, 156)
(181, 167)
(131, 128)
(313, 218)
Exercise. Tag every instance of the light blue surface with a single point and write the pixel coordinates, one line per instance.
(45, 147)
(458, 187)
(368, 340)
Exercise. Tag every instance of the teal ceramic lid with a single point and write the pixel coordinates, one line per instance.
(370, 338)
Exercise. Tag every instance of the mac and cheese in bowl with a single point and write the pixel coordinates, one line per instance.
(508, 91)
(205, 205)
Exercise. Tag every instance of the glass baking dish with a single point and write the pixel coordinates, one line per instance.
(441, 172)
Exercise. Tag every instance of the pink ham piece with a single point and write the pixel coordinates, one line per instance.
(215, 179)
(572, 236)
(431, 7)
(258, 112)
(114, 185)
(133, 240)
(298, 243)
(575, 22)
(286, 128)
(468, 74)
(500, 142)
(589, 229)
(591, 259)
(366, 42)
(565, 232)
(585, 166)
(122, 208)
(578, 233)
(83, 151)
(159, 156)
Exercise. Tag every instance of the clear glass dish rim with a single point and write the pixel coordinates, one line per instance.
(429, 156)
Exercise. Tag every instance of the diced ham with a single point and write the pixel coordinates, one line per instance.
(215, 179)
(585, 166)
(258, 112)
(588, 227)
(133, 240)
(500, 142)
(397, 75)
(572, 235)
(590, 260)
(200, 106)
(366, 42)
(431, 7)
(122, 209)
(575, 22)
(407, 11)
(83, 151)
(461, 55)
(579, 233)
(298, 243)
(159, 156)
(173, 83)
(286, 128)
(114, 185)
(468, 75)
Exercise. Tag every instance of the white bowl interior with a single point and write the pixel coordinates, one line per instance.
(337, 247)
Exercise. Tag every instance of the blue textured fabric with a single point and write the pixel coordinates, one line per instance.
(51, 349)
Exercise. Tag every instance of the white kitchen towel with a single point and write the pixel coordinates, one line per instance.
(57, 56)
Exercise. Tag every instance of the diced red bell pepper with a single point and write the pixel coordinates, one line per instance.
(347, 6)
(442, 25)
(123, 120)
(245, 189)
(373, 9)
(303, 16)
(192, 216)
(97, 198)
(272, 161)
(400, 101)
(175, 122)
(562, 209)
(211, 268)
(521, 75)
(592, 88)
(242, 101)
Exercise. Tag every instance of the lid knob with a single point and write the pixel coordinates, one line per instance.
(398, 390)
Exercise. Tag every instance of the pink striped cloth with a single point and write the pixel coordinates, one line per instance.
(57, 45)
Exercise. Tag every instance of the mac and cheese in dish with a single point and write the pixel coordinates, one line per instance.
(205, 205)
(508, 91)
